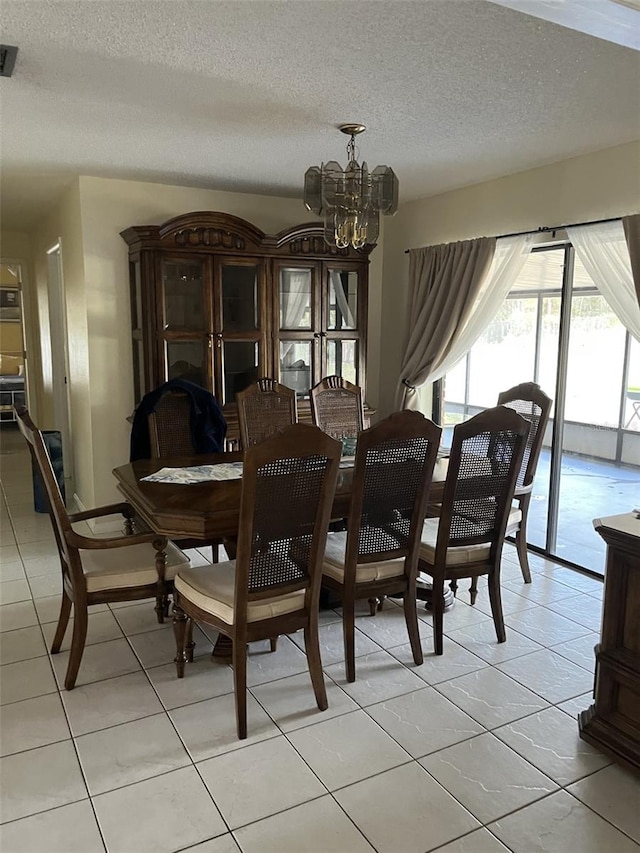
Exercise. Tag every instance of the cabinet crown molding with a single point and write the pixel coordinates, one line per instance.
(208, 229)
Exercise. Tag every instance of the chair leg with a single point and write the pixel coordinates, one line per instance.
(437, 605)
(77, 645)
(521, 538)
(180, 619)
(521, 546)
(273, 644)
(373, 606)
(496, 605)
(189, 645)
(239, 660)
(411, 618)
(312, 646)
(160, 608)
(473, 590)
(63, 621)
(348, 631)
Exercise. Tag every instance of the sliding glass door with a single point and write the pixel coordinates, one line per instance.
(556, 329)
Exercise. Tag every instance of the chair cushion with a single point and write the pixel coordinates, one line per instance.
(333, 565)
(514, 519)
(457, 555)
(212, 589)
(135, 565)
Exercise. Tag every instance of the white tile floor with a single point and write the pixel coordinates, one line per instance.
(473, 752)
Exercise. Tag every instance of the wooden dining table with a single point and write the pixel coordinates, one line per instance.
(211, 509)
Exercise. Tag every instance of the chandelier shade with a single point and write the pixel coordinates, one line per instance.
(351, 200)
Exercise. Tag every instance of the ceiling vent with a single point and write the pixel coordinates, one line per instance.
(7, 59)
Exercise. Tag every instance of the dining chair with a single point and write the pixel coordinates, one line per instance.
(206, 426)
(378, 553)
(466, 540)
(264, 407)
(531, 403)
(170, 426)
(170, 434)
(102, 569)
(336, 407)
(273, 585)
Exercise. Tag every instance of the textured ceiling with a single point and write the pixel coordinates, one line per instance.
(244, 96)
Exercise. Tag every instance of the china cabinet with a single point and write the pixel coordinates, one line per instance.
(216, 301)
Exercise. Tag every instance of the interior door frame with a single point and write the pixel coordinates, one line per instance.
(59, 342)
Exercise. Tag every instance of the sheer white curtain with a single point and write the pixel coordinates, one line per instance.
(603, 250)
(508, 260)
(342, 299)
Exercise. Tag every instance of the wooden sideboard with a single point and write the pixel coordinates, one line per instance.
(612, 723)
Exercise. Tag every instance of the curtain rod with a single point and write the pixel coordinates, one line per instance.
(546, 229)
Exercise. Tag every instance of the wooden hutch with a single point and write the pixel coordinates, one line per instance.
(216, 301)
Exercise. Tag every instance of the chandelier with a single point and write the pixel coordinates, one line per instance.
(350, 200)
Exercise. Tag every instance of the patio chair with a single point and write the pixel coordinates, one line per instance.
(264, 408)
(529, 401)
(336, 407)
(98, 570)
(273, 585)
(466, 540)
(378, 553)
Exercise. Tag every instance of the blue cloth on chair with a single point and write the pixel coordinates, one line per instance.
(208, 425)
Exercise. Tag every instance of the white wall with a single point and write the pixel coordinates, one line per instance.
(594, 186)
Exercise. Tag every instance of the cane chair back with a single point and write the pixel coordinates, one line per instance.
(531, 403)
(170, 426)
(467, 539)
(378, 553)
(336, 407)
(102, 569)
(264, 408)
(273, 585)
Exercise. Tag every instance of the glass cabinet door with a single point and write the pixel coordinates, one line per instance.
(239, 334)
(298, 324)
(183, 294)
(342, 346)
(185, 319)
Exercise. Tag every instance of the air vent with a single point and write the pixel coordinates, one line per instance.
(7, 59)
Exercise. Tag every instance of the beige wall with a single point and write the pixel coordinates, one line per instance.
(63, 225)
(107, 208)
(11, 338)
(595, 186)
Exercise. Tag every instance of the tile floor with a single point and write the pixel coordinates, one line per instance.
(473, 752)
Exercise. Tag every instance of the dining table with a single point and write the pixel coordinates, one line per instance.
(211, 509)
